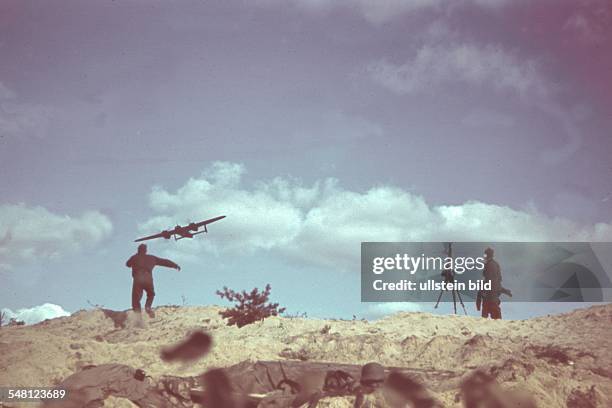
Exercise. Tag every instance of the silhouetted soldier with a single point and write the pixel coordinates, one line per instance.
(142, 265)
(490, 298)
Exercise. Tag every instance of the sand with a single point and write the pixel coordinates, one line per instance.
(551, 357)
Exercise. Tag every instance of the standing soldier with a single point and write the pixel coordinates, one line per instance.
(142, 265)
(490, 298)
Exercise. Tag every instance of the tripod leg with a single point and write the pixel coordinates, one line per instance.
(454, 302)
(439, 297)
(461, 301)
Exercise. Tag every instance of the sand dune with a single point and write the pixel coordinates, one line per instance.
(551, 357)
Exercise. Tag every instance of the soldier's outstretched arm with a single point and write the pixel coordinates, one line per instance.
(167, 263)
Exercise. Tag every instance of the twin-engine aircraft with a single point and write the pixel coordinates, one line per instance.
(178, 232)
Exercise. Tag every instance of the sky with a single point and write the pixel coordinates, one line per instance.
(313, 125)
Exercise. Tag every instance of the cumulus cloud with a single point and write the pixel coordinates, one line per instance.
(434, 67)
(35, 314)
(487, 66)
(323, 224)
(34, 233)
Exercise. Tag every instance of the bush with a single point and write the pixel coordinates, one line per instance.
(250, 306)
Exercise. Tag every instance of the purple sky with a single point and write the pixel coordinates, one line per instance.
(313, 125)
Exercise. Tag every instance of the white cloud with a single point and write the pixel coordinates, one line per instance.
(486, 66)
(260, 219)
(35, 314)
(323, 224)
(434, 67)
(34, 233)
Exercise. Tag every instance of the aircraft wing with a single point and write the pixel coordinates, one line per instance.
(160, 235)
(202, 223)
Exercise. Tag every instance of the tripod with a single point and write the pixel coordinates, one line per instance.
(449, 277)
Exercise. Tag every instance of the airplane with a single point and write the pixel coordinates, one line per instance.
(178, 232)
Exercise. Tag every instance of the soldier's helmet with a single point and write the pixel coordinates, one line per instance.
(489, 252)
(372, 373)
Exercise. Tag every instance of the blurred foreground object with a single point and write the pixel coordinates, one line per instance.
(195, 346)
(262, 384)
(218, 391)
(480, 390)
(402, 391)
(91, 386)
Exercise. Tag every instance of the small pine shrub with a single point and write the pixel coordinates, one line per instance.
(250, 307)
